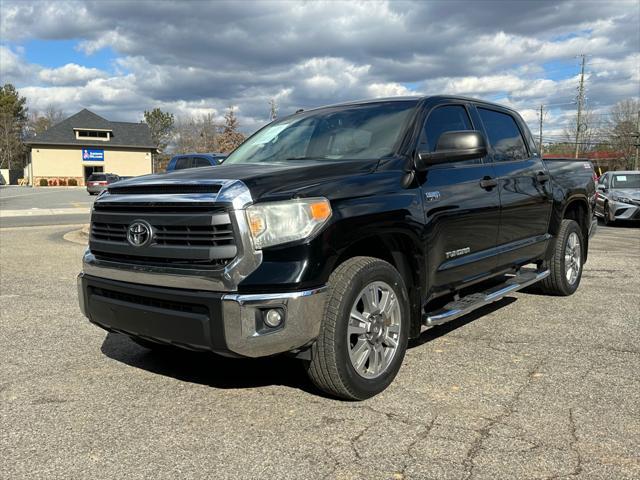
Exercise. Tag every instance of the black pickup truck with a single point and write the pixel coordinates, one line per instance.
(336, 234)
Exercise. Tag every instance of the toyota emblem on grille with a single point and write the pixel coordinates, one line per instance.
(139, 233)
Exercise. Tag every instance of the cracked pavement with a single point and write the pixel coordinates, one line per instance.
(530, 387)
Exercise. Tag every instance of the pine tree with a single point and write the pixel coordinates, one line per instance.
(230, 137)
(161, 126)
(13, 119)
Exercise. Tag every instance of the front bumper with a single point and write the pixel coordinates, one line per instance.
(224, 323)
(96, 188)
(625, 211)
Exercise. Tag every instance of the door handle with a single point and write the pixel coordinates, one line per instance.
(488, 183)
(542, 177)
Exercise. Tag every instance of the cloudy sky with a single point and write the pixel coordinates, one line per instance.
(119, 58)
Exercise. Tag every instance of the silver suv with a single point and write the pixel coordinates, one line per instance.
(618, 196)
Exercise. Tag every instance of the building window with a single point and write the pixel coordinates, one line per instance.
(93, 134)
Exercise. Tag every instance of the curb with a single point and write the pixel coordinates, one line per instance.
(78, 236)
(44, 212)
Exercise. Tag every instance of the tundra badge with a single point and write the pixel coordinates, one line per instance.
(457, 253)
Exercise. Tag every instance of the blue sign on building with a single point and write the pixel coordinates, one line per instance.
(92, 155)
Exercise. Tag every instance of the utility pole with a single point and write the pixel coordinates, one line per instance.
(636, 165)
(273, 109)
(580, 104)
(540, 140)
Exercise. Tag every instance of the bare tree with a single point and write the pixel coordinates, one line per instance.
(622, 129)
(196, 134)
(587, 132)
(42, 121)
(208, 133)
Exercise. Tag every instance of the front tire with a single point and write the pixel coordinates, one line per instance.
(364, 331)
(606, 214)
(566, 264)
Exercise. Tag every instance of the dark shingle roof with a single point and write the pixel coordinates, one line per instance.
(124, 134)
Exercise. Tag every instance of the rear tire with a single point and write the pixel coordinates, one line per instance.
(566, 264)
(364, 331)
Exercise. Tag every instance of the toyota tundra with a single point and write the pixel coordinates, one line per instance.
(337, 234)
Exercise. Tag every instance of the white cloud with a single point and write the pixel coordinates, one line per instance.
(13, 69)
(70, 74)
(390, 89)
(201, 57)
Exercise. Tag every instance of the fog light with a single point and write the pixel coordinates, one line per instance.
(273, 318)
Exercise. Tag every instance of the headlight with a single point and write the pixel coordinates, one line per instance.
(280, 222)
(616, 198)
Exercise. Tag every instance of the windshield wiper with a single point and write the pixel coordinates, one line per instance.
(306, 158)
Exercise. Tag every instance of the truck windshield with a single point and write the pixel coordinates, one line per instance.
(365, 131)
(625, 180)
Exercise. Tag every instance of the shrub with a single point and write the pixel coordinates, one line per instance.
(62, 182)
(72, 182)
(44, 182)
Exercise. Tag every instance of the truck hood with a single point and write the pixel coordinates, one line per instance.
(270, 181)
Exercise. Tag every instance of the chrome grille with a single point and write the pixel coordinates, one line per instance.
(212, 235)
(112, 232)
(205, 235)
(179, 235)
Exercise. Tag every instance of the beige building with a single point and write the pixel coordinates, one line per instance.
(86, 143)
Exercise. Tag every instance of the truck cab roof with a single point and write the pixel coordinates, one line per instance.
(415, 98)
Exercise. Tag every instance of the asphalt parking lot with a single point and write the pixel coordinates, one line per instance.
(24, 206)
(530, 387)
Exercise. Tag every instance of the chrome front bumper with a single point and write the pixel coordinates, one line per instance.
(225, 323)
(303, 316)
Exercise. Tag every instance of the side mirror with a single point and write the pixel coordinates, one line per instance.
(601, 188)
(454, 146)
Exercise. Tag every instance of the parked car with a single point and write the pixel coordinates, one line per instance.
(195, 160)
(336, 234)
(618, 196)
(98, 182)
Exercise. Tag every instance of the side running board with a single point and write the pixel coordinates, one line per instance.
(469, 303)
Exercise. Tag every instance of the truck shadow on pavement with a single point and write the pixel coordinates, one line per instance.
(207, 368)
(238, 373)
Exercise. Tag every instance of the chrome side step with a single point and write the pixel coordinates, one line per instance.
(469, 303)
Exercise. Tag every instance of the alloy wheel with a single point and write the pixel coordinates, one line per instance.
(572, 258)
(373, 333)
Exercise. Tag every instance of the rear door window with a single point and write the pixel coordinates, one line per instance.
(504, 135)
(183, 162)
(201, 162)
